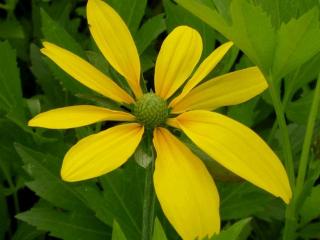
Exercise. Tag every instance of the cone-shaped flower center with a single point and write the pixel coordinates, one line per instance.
(151, 110)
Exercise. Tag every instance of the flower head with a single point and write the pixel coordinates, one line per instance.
(184, 187)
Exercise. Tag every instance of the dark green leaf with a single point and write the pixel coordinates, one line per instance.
(238, 231)
(123, 193)
(149, 31)
(47, 183)
(11, 100)
(131, 13)
(65, 225)
(26, 232)
(56, 34)
(239, 200)
(177, 16)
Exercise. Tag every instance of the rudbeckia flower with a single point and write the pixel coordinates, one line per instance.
(184, 187)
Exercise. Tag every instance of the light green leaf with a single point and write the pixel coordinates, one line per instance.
(158, 232)
(117, 233)
(238, 231)
(65, 225)
(275, 51)
(296, 43)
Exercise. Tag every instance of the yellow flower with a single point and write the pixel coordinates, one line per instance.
(185, 189)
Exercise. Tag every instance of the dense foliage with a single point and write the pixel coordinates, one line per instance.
(281, 37)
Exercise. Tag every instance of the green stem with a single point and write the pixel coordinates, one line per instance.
(291, 221)
(149, 199)
(308, 138)
(286, 145)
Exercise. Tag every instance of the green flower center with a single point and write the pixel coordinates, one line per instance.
(151, 110)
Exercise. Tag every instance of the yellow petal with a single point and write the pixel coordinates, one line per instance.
(85, 73)
(101, 153)
(237, 148)
(229, 89)
(179, 54)
(115, 42)
(203, 70)
(185, 189)
(77, 116)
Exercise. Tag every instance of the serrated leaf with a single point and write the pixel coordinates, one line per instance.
(46, 183)
(123, 193)
(11, 100)
(238, 231)
(56, 34)
(65, 225)
(252, 31)
(296, 43)
(158, 232)
(117, 233)
(50, 87)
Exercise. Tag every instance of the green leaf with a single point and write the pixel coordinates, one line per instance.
(298, 111)
(11, 100)
(177, 16)
(239, 200)
(123, 193)
(65, 225)
(26, 232)
(296, 42)
(11, 29)
(131, 13)
(310, 209)
(158, 232)
(238, 231)
(51, 88)
(117, 233)
(274, 50)
(311, 231)
(149, 31)
(46, 183)
(56, 34)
